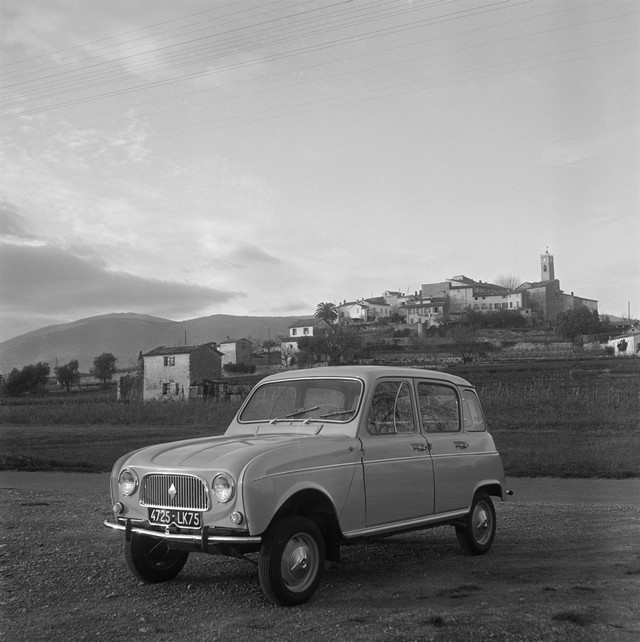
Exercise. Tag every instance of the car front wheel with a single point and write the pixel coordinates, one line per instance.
(291, 561)
(151, 560)
(476, 534)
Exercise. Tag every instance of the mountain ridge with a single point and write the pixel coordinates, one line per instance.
(125, 334)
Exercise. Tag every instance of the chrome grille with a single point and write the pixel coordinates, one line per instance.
(174, 491)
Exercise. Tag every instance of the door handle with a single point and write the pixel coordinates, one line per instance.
(420, 446)
(461, 444)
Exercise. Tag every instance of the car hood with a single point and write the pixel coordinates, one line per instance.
(218, 453)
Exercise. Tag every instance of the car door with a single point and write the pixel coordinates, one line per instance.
(398, 472)
(439, 409)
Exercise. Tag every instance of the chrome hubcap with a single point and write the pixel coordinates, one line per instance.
(481, 524)
(299, 564)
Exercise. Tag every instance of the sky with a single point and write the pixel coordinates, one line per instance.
(257, 157)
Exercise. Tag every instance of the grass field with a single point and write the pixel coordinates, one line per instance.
(564, 419)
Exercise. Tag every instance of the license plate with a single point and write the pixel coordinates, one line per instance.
(181, 518)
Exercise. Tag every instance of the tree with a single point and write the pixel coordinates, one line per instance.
(573, 323)
(67, 374)
(337, 346)
(31, 379)
(268, 345)
(509, 281)
(341, 344)
(327, 312)
(465, 336)
(104, 366)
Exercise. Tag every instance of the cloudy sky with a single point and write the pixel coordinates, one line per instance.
(193, 157)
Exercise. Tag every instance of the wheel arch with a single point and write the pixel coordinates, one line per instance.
(493, 488)
(316, 505)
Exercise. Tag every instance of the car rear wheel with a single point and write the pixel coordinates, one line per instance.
(151, 560)
(291, 561)
(476, 534)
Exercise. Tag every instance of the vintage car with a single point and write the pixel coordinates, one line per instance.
(314, 460)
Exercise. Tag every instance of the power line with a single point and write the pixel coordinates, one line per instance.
(379, 66)
(271, 57)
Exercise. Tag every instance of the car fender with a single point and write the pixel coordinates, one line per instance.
(267, 484)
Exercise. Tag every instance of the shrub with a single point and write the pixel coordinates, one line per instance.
(239, 368)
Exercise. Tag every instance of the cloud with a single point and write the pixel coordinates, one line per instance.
(243, 255)
(37, 278)
(13, 226)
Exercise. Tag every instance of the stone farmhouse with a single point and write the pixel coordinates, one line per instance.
(169, 371)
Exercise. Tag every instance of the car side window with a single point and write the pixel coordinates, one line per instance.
(439, 407)
(391, 409)
(472, 412)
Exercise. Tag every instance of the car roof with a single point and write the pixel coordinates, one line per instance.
(367, 373)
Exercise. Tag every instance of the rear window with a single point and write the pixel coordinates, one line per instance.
(439, 407)
(472, 412)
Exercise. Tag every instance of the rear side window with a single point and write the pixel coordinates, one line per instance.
(391, 409)
(439, 407)
(472, 412)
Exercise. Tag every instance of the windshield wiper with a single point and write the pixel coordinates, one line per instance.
(337, 412)
(300, 412)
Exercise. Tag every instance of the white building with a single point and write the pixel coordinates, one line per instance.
(626, 345)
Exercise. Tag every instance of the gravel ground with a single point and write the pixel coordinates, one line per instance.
(557, 571)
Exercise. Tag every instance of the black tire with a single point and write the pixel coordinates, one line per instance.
(476, 535)
(151, 560)
(291, 561)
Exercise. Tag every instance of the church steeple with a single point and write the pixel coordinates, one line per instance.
(547, 271)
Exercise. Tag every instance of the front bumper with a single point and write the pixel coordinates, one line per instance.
(202, 538)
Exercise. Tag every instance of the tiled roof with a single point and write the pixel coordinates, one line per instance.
(305, 323)
(167, 350)
(234, 341)
(377, 301)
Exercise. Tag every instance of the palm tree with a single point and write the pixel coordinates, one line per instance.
(327, 312)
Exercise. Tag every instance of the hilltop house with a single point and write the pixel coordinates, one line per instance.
(364, 310)
(431, 311)
(169, 371)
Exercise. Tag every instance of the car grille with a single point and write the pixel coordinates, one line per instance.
(174, 491)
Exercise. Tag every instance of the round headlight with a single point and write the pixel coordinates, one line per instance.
(223, 487)
(128, 482)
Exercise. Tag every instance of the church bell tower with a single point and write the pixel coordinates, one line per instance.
(547, 271)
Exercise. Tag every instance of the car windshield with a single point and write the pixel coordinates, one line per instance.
(305, 400)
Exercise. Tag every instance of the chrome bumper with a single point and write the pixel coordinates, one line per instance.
(202, 538)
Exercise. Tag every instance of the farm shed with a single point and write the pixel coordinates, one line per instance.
(236, 351)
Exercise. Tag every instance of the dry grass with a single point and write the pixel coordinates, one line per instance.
(561, 419)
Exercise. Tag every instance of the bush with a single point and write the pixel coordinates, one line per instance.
(239, 368)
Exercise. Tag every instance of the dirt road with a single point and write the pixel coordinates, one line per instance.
(565, 566)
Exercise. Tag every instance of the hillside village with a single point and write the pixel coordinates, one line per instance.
(424, 328)
(198, 370)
